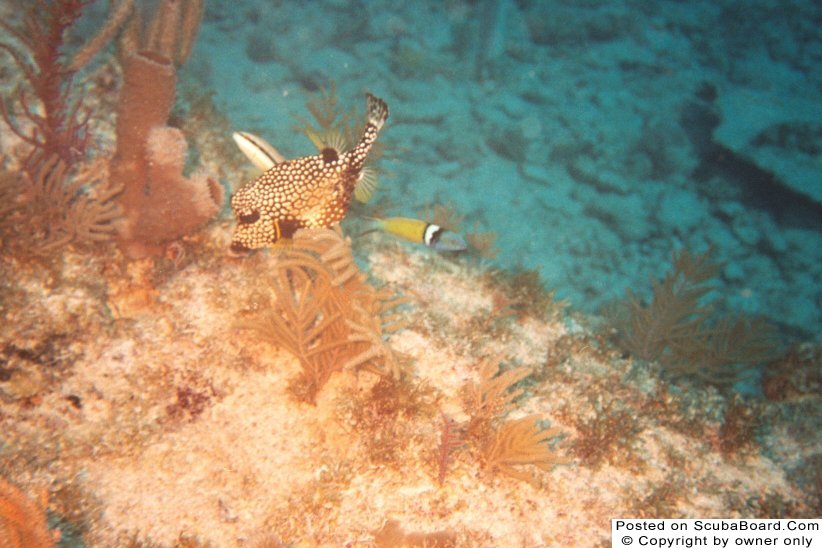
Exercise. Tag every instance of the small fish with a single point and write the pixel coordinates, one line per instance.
(308, 192)
(421, 232)
(257, 150)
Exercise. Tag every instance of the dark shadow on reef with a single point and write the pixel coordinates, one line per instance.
(754, 186)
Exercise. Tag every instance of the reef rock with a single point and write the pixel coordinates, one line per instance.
(783, 136)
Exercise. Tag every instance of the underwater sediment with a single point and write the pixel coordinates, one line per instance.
(151, 413)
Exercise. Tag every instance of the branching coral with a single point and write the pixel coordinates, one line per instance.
(518, 443)
(55, 208)
(501, 445)
(305, 320)
(371, 314)
(117, 16)
(56, 126)
(367, 329)
(678, 330)
(492, 397)
(325, 314)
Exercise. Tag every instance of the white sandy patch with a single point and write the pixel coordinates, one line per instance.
(214, 478)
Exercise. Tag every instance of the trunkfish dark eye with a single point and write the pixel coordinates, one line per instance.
(248, 218)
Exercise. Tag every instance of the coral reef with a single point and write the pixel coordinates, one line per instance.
(45, 208)
(290, 398)
(491, 398)
(58, 127)
(56, 208)
(160, 203)
(175, 403)
(678, 329)
(505, 445)
(520, 443)
(325, 314)
(450, 440)
(609, 436)
(142, 197)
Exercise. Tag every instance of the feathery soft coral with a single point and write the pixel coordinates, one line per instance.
(325, 314)
(58, 126)
(678, 327)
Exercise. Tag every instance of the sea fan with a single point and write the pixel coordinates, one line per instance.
(676, 314)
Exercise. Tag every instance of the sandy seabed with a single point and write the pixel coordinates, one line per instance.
(152, 418)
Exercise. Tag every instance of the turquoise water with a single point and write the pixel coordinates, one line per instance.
(594, 138)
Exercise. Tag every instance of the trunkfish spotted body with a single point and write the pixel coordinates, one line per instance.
(308, 192)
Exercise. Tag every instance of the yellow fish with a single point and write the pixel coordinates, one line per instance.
(421, 232)
(308, 192)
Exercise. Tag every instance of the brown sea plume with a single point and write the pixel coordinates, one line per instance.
(325, 313)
